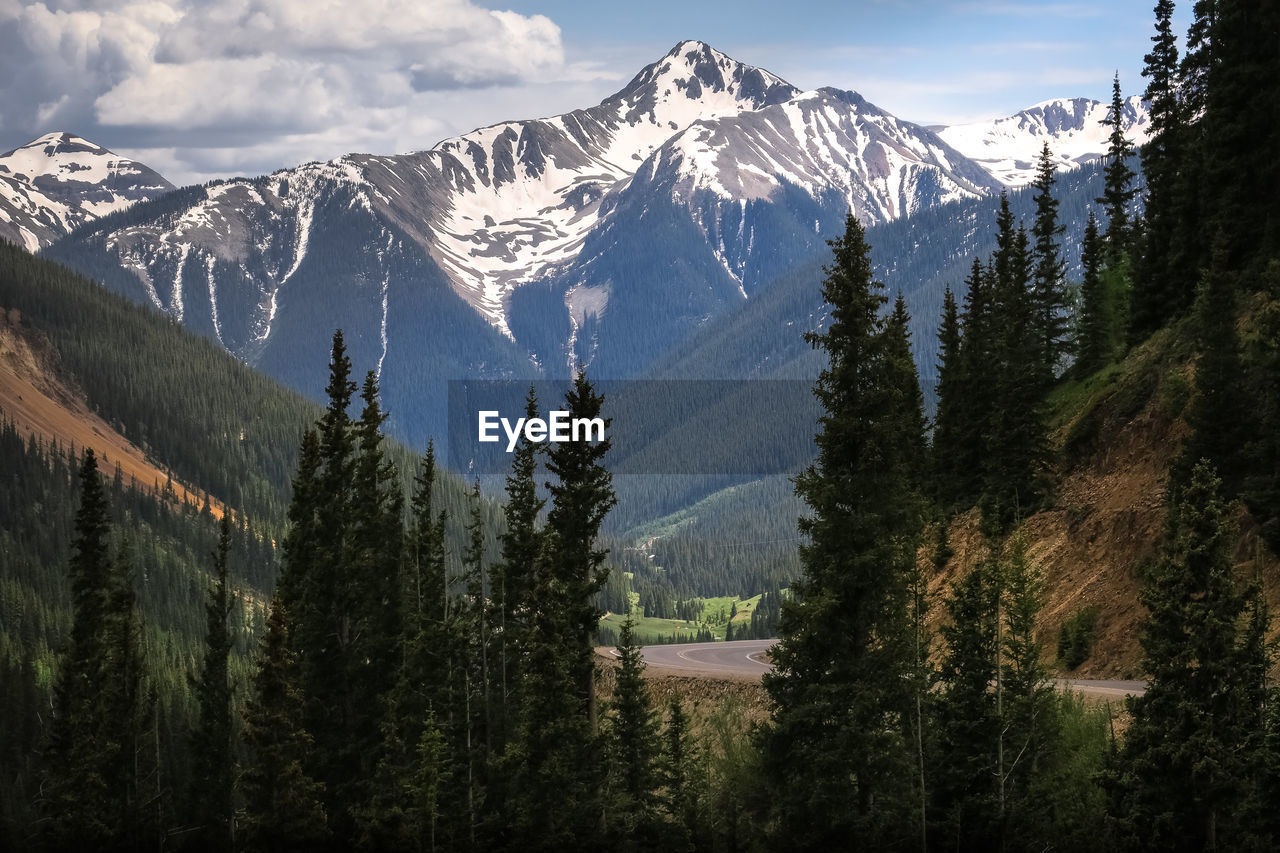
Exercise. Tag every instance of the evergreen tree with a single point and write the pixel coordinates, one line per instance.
(836, 752)
(1261, 490)
(581, 497)
(909, 401)
(370, 584)
(1184, 768)
(513, 575)
(211, 747)
(326, 630)
(77, 796)
(1015, 432)
(341, 581)
(408, 799)
(1027, 704)
(1240, 118)
(1048, 276)
(632, 807)
(1118, 190)
(1219, 414)
(969, 406)
(431, 777)
(282, 803)
(945, 448)
(678, 757)
(1162, 287)
(473, 738)
(1093, 341)
(964, 797)
(91, 792)
(554, 754)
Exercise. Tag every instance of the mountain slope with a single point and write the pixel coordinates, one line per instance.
(60, 181)
(721, 209)
(1009, 147)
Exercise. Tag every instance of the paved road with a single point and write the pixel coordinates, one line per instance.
(736, 659)
(745, 659)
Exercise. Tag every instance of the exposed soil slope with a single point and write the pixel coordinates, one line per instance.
(1114, 435)
(40, 399)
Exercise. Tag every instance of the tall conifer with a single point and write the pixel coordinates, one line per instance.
(1093, 340)
(1049, 271)
(1183, 767)
(837, 751)
(282, 802)
(91, 795)
(1164, 280)
(1118, 189)
(946, 440)
(211, 747)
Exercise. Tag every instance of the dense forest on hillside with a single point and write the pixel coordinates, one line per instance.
(419, 674)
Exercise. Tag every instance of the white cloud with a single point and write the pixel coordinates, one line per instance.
(222, 86)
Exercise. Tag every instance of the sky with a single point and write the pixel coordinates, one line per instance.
(205, 89)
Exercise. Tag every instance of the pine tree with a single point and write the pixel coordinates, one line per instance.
(581, 497)
(1048, 276)
(91, 794)
(431, 777)
(964, 798)
(1183, 761)
(909, 402)
(1015, 432)
(408, 801)
(1027, 701)
(474, 737)
(946, 445)
(1118, 190)
(1093, 341)
(323, 616)
(679, 756)
(211, 745)
(1240, 118)
(513, 575)
(282, 803)
(632, 807)
(1162, 287)
(341, 582)
(836, 752)
(371, 581)
(1219, 414)
(78, 797)
(974, 391)
(554, 755)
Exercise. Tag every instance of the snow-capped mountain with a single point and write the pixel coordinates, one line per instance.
(1009, 147)
(602, 236)
(60, 181)
(738, 200)
(512, 203)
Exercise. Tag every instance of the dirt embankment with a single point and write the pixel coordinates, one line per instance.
(40, 399)
(1107, 517)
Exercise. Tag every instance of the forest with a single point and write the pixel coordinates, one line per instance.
(360, 652)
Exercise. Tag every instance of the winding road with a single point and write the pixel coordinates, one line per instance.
(747, 660)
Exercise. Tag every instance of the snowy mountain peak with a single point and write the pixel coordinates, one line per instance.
(700, 73)
(1008, 147)
(61, 180)
(823, 141)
